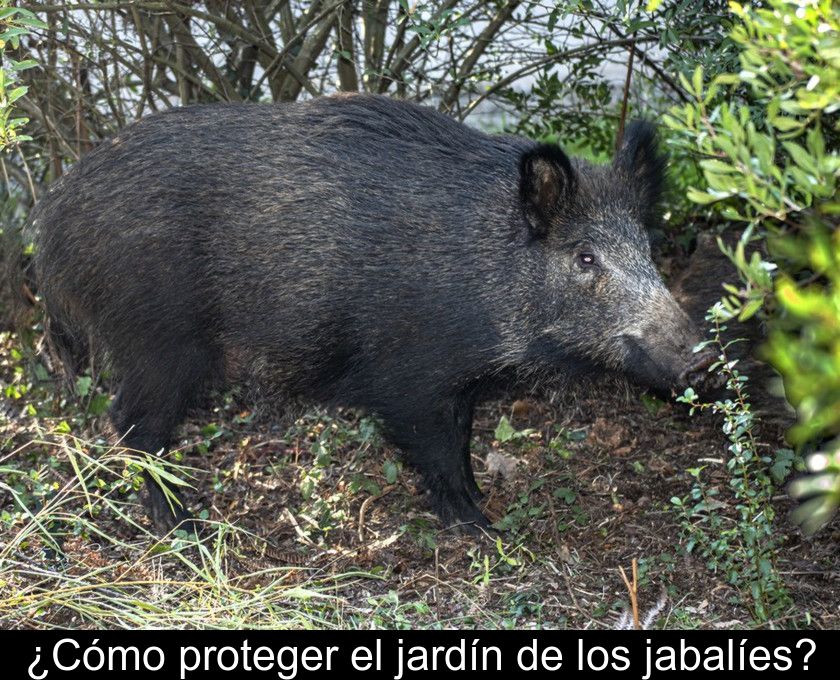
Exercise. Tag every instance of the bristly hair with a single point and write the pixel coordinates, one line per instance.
(546, 181)
(642, 162)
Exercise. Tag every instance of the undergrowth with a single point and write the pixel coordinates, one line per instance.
(743, 544)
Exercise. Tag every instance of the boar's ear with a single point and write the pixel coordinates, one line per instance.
(546, 179)
(641, 164)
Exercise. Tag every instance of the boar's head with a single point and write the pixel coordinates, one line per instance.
(601, 296)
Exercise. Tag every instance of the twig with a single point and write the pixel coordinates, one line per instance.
(622, 119)
(366, 504)
(632, 588)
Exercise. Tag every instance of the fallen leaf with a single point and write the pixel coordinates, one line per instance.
(501, 464)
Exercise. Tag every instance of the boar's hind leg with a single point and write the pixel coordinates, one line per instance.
(464, 424)
(436, 442)
(155, 394)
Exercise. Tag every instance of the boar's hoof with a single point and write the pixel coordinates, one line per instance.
(166, 517)
(461, 514)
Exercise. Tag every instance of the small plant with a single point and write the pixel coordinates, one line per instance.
(527, 605)
(559, 444)
(523, 511)
(742, 546)
(506, 433)
(323, 508)
(503, 561)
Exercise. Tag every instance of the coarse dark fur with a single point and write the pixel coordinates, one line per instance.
(353, 250)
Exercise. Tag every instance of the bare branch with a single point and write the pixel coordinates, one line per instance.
(347, 77)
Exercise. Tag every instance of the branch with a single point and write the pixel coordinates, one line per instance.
(527, 69)
(375, 24)
(619, 137)
(403, 58)
(484, 39)
(348, 79)
(282, 57)
(220, 23)
(306, 59)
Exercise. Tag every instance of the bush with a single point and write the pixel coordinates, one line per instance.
(15, 23)
(767, 139)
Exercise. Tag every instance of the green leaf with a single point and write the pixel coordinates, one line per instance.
(717, 166)
(801, 157)
(749, 309)
(23, 65)
(389, 468)
(99, 404)
(785, 123)
(782, 465)
(32, 21)
(83, 383)
(16, 94)
(504, 430)
(565, 494)
(697, 81)
(701, 197)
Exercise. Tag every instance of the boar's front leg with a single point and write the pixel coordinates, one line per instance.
(158, 385)
(435, 440)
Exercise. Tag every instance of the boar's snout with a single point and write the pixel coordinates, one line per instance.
(695, 371)
(655, 362)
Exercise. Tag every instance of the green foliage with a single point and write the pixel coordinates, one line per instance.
(767, 139)
(15, 23)
(742, 546)
(821, 488)
(805, 344)
(429, 22)
(507, 433)
(578, 105)
(502, 560)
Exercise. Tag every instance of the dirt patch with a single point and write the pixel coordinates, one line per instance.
(584, 491)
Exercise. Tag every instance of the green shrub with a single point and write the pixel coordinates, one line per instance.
(767, 138)
(15, 22)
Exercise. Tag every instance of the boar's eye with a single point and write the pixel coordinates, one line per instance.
(587, 260)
